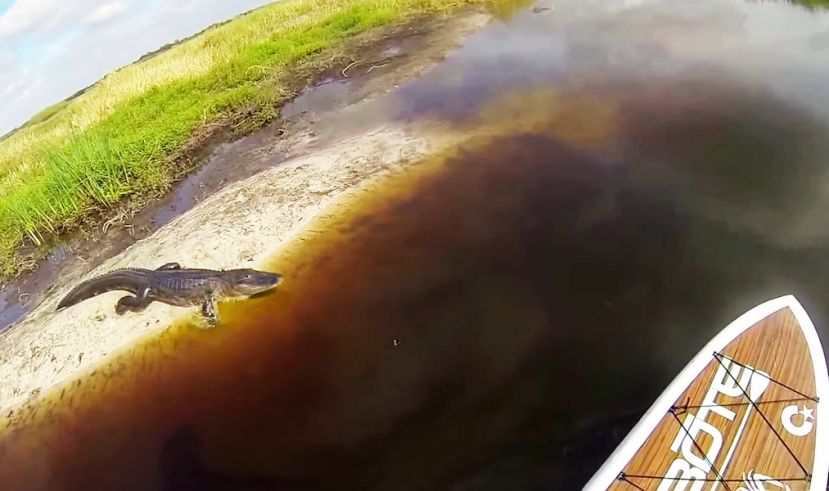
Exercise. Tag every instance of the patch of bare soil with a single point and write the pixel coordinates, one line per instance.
(251, 194)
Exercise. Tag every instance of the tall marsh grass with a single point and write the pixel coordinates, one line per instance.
(116, 139)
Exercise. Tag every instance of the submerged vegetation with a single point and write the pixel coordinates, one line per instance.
(122, 137)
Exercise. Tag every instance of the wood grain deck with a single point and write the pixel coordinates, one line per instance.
(738, 424)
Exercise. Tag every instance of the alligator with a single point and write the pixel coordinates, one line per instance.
(174, 285)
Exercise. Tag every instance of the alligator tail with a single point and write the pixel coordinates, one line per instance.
(130, 280)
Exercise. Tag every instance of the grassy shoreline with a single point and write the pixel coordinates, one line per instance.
(121, 138)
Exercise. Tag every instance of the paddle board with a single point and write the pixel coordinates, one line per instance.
(748, 413)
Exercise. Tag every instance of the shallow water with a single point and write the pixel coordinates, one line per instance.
(645, 171)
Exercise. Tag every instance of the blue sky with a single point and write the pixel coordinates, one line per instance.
(49, 49)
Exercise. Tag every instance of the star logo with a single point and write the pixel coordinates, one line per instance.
(806, 417)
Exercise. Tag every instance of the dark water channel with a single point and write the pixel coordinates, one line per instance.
(653, 169)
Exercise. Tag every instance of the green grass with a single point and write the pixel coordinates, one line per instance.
(813, 4)
(119, 138)
(817, 5)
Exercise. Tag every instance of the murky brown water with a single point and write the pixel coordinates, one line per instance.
(396, 335)
(651, 171)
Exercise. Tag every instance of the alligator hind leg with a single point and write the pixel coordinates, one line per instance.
(132, 304)
(135, 303)
(168, 266)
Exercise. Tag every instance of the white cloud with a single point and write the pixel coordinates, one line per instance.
(7, 57)
(49, 16)
(105, 12)
(25, 15)
(49, 49)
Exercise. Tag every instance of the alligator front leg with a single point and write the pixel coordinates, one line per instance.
(168, 266)
(208, 309)
(135, 303)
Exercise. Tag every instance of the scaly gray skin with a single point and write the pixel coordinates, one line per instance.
(173, 285)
